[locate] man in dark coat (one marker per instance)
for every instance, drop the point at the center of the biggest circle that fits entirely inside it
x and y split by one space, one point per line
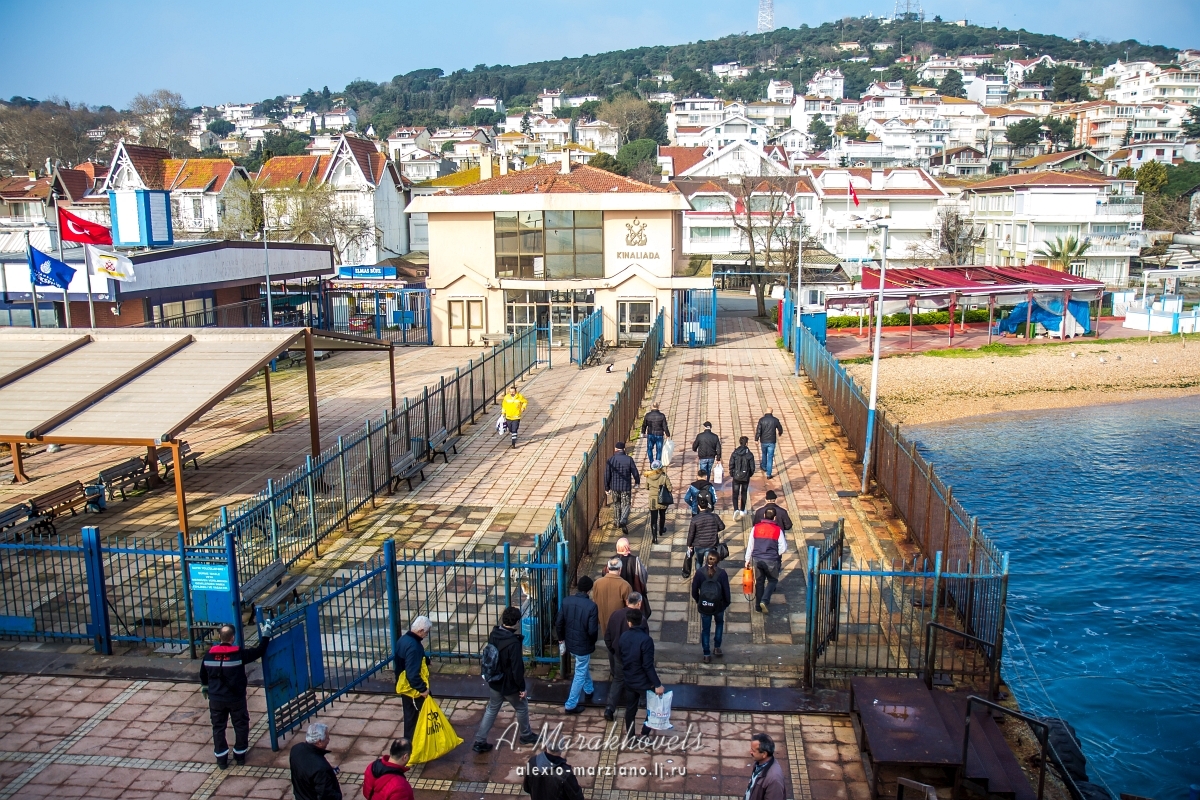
620 476
637 665
766 779
578 627
410 657
704 533
766 433
506 638
223 684
312 776
548 776
654 428
741 470
781 516
707 447
612 636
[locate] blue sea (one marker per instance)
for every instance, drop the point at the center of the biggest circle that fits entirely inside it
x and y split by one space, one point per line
1100 511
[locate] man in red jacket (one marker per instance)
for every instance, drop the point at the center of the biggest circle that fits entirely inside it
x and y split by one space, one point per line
384 778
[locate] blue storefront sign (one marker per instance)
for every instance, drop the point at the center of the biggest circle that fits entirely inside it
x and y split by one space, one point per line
367 273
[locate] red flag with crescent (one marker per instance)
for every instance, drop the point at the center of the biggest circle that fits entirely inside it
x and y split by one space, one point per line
853 194
77 229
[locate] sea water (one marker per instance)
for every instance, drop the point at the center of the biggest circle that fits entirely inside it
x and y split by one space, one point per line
1100 511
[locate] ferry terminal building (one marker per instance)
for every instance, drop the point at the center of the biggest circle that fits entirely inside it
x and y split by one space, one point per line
549 245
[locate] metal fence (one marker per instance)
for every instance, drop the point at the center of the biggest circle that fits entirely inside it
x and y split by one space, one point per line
403 316
695 317
586 336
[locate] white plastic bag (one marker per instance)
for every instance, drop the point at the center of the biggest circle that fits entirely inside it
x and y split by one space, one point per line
658 711
501 426
718 476
668 451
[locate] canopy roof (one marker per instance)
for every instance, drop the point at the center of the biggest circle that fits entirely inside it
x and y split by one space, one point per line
935 283
133 386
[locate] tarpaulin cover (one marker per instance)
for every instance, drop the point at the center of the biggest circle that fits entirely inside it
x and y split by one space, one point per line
1049 313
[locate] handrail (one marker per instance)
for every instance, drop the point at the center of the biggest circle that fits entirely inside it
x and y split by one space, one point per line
931 648
1043 735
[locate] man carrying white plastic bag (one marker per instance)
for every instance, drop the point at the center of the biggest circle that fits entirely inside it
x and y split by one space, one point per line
636 649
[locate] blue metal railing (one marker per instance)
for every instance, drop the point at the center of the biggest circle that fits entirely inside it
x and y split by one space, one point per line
585 336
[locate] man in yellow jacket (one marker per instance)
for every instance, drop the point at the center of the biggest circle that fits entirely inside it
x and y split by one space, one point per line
513 406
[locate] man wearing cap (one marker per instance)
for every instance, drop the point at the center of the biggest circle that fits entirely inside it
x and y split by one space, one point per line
781 516
620 476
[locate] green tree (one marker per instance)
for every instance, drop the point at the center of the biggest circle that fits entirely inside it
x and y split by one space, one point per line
822 136
1061 252
605 162
1068 85
1126 173
952 85
1191 125
1061 131
636 152
1025 132
1043 74
847 125
526 126
221 127
1151 178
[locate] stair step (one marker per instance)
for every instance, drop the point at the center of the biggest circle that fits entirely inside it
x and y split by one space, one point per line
1018 781
978 767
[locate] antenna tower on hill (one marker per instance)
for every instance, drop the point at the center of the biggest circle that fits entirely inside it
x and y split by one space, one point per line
909 11
766 16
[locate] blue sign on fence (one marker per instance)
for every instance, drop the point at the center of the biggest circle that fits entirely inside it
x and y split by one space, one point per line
212 592
209 577
367 273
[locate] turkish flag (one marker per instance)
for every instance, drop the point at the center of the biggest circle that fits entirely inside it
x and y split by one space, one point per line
853 195
77 229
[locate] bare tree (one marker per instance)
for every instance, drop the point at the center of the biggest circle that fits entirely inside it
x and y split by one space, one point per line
53 129
761 209
953 242
629 115
161 117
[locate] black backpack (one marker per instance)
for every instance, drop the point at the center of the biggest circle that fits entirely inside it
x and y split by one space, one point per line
489 663
711 598
741 466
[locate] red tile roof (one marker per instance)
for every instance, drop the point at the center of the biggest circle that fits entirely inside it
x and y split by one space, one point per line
148 161
548 179
93 170
930 188
363 152
283 170
22 187
1039 179
74 183
682 158
206 174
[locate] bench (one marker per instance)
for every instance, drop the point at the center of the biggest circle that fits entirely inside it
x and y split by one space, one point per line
273 573
55 503
186 454
405 468
129 473
442 444
285 591
16 521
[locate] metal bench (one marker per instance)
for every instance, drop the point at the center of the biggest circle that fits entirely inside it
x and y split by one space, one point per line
55 503
261 581
286 590
405 468
15 522
126 474
186 454
442 444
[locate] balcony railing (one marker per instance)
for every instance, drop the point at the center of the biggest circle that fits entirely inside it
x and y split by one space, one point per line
1119 206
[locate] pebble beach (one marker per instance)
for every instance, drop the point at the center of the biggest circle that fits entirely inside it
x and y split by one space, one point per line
966 383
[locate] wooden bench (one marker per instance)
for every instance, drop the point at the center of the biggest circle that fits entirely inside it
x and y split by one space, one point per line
273 573
15 521
186 454
406 468
54 504
286 590
442 444
129 473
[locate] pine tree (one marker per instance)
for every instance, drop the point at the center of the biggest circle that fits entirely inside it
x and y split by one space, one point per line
952 85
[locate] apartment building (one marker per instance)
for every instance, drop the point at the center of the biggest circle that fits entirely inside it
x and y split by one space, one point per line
1146 82
711 226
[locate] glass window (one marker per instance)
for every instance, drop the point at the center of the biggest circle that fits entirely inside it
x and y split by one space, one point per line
560 219
589 265
560 241
589 240
589 219
553 245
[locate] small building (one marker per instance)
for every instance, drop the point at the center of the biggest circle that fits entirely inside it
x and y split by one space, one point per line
1061 162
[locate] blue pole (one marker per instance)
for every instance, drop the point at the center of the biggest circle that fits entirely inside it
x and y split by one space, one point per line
93 563
188 614
507 576
562 595
393 595
377 328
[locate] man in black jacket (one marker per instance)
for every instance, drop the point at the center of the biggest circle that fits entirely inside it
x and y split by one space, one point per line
612 637
410 658
654 428
707 448
637 664
548 776
312 776
767 433
704 533
578 627
741 469
223 684
620 476
781 516
506 638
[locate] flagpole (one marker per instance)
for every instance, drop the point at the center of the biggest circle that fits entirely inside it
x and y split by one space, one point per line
62 258
87 273
37 323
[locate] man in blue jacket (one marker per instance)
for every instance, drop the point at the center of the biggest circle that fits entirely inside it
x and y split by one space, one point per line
578 627
620 476
410 657
637 666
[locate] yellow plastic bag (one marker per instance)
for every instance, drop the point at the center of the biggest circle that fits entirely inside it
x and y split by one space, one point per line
434 736
404 687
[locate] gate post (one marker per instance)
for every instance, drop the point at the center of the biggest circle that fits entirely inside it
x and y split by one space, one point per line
342 475
93 562
271 519
471 386
937 580
562 593
311 488
507 576
393 594
442 396
188 614
810 616
998 650
425 416
235 589
458 415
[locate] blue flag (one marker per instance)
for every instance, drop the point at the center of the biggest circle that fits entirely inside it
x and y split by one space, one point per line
47 271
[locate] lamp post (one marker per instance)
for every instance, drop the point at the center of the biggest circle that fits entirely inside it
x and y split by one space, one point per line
798 225
267 264
883 225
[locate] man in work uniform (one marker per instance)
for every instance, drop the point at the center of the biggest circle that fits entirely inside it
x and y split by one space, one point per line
223 684
513 406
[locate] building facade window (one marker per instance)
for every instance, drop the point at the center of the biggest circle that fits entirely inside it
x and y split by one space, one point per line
711 235
550 245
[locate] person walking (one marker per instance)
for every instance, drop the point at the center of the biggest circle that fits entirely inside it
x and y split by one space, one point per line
703 534
766 433
781 515
656 431
578 627
223 684
741 469
701 487
707 447
513 407
548 776
384 778
313 778
656 480
766 779
764 553
634 571
637 666
612 637
610 591
508 681
413 665
620 476
710 590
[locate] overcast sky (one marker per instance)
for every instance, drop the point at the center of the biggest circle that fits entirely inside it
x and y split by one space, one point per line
106 51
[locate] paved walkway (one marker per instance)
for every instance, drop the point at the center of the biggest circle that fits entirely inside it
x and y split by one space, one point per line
137 740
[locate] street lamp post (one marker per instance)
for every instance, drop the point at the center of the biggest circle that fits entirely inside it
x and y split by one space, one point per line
882 224
267 264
